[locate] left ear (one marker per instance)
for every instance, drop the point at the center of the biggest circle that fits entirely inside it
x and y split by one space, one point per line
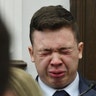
80 49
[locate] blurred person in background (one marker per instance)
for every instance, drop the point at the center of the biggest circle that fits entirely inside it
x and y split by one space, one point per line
13 81
21 83
4 56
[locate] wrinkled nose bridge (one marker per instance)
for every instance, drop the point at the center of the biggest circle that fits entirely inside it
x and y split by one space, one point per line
55 58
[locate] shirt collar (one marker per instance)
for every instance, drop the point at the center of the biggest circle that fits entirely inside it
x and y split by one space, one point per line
49 91
72 89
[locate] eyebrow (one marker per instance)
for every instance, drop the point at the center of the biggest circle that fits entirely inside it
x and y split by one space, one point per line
64 48
49 49
45 49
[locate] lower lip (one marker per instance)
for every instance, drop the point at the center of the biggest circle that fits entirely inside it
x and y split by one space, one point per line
58 75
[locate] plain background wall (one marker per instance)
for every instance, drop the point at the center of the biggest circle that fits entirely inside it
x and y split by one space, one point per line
11 11
17 15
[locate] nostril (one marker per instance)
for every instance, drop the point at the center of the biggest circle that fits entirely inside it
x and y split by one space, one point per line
56 61
54 64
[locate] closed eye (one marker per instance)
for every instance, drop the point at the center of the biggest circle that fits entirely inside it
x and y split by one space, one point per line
65 51
45 52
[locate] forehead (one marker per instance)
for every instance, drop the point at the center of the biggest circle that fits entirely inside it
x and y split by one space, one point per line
65 32
57 37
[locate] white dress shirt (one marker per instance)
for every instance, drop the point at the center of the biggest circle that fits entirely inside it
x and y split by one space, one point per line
72 89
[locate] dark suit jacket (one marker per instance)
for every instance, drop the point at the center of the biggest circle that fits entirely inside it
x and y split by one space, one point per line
83 86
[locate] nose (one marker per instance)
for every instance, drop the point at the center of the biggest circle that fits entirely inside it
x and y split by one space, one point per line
56 60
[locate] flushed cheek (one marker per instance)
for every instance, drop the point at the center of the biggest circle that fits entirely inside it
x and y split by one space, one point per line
42 63
71 62
44 60
72 67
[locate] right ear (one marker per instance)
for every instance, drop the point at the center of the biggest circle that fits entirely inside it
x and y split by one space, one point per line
30 48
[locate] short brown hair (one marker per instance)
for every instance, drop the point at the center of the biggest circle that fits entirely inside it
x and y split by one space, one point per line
53 17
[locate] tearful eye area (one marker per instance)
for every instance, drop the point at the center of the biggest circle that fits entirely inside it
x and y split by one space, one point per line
65 51
45 52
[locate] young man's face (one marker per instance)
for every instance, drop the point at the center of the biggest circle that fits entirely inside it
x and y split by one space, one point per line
56 56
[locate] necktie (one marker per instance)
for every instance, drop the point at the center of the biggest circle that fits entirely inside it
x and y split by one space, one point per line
61 93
